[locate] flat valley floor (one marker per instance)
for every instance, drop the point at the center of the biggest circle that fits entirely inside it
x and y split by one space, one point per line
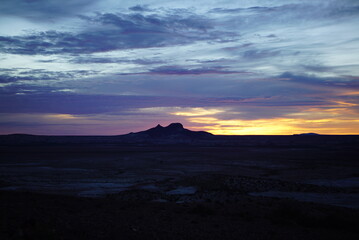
117 191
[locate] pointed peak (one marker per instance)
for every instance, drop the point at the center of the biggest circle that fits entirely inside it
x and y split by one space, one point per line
159 126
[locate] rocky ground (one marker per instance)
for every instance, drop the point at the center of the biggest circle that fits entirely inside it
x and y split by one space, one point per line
198 207
179 192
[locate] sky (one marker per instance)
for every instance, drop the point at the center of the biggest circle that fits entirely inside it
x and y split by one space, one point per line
243 67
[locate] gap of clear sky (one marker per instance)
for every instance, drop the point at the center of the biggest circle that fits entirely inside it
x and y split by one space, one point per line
105 67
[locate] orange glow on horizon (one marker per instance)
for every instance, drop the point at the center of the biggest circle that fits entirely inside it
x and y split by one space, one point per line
335 120
338 118
277 126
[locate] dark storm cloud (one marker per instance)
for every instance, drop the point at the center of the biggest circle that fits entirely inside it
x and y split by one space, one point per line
115 32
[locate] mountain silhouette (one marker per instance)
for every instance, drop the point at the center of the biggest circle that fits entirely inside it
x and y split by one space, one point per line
171 131
307 134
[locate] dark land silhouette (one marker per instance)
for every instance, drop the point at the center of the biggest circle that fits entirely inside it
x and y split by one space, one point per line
173 183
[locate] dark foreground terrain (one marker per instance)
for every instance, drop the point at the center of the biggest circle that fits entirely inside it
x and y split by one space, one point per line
250 187
38 216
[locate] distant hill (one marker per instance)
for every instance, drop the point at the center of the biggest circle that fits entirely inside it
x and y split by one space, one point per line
176 134
172 134
307 134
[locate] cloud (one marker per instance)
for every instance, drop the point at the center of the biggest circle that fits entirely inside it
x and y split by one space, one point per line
250 60
259 54
305 9
140 61
9 79
254 10
140 8
42 74
109 32
318 68
347 82
30 82
43 9
69 103
82 104
176 70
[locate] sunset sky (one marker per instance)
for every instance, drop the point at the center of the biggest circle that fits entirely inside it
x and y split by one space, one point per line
107 67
